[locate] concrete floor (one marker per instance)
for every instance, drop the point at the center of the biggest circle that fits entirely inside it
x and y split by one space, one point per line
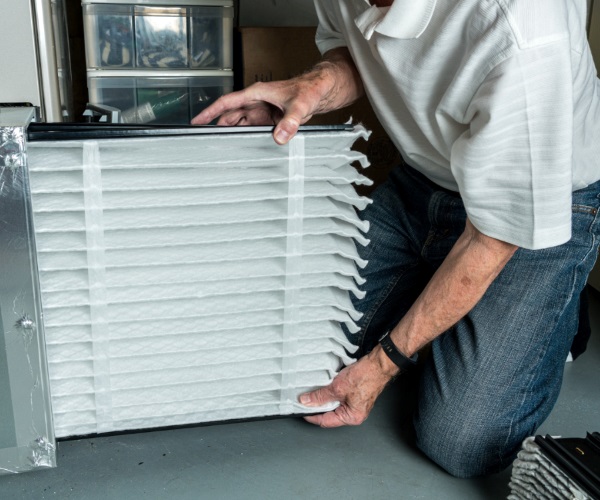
288 458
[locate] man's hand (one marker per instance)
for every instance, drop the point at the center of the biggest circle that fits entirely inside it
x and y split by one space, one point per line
456 287
356 388
331 84
286 104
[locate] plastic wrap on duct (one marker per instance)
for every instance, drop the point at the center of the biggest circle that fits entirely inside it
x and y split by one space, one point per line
26 430
195 279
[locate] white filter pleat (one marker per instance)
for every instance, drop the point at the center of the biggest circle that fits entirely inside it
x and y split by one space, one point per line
195 279
194 391
205 306
172 291
124 326
54 178
168 237
84 351
57 281
187 196
193 215
197 254
193 342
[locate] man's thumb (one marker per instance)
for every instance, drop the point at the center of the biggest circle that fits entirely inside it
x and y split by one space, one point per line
285 130
320 397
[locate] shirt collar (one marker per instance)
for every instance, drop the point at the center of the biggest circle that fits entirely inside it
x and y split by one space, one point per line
404 19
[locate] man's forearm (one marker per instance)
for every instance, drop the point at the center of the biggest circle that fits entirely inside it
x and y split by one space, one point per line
337 80
460 282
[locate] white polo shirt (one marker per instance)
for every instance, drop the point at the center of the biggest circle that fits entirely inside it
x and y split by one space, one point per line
496 99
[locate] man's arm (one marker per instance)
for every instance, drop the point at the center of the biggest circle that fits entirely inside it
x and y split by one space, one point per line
332 84
460 282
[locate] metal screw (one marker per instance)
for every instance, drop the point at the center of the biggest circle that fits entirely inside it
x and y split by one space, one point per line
26 323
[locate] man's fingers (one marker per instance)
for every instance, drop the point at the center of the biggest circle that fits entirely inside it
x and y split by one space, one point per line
231 118
259 92
260 104
222 105
328 420
209 114
341 416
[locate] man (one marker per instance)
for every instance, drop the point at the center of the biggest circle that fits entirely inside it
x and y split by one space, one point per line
482 246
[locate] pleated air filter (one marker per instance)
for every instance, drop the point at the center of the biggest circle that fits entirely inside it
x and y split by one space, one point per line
192 279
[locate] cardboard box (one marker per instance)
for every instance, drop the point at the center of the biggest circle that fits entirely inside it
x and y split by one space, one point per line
274 13
271 54
595 32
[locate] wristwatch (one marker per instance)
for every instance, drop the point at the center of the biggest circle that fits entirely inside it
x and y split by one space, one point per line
399 359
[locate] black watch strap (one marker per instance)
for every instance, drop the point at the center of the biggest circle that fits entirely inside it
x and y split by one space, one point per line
399 359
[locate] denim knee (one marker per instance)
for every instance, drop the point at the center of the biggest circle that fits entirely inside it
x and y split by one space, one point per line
469 447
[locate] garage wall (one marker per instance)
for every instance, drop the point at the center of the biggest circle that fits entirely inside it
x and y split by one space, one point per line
17 56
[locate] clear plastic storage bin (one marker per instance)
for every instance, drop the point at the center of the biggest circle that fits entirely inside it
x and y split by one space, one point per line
158 100
162 37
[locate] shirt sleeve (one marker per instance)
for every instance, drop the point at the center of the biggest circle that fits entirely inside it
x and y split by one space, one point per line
329 35
513 165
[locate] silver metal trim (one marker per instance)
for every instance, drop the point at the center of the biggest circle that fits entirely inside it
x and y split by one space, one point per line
20 306
13 122
47 63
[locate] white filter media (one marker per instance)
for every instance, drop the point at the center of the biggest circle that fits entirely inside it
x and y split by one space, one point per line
193 279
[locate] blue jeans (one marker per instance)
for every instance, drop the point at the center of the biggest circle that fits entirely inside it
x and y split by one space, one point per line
493 378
